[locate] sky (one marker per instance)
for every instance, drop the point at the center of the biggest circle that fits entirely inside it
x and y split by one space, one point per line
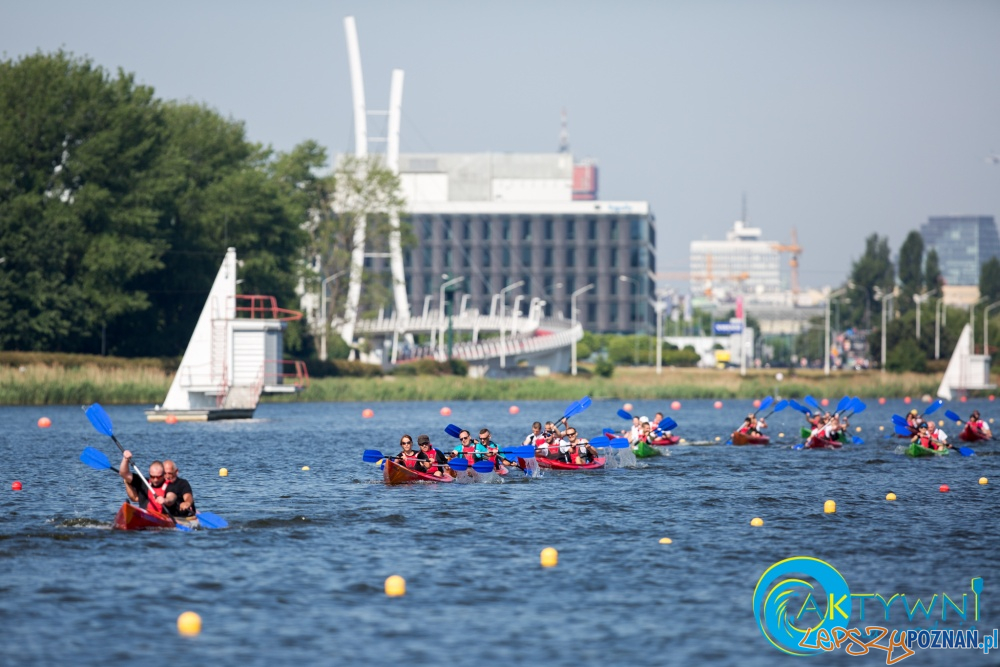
838 119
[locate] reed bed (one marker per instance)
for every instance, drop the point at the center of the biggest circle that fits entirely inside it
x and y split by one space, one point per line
39 384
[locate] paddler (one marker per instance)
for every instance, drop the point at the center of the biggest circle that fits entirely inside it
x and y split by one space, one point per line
535 435
978 425
408 456
180 490
151 497
580 450
494 456
467 447
429 459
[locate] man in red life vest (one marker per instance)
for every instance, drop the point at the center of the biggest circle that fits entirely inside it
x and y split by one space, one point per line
469 448
429 460
978 425
151 497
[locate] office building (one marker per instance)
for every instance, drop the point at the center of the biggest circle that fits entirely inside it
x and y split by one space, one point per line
963 244
742 264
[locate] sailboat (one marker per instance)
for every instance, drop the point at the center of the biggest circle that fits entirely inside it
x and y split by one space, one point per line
966 371
234 356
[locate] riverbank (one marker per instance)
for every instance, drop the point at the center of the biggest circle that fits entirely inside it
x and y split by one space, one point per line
139 383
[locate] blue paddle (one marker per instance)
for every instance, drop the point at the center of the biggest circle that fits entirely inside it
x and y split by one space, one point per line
458 463
954 417
95 458
812 403
933 407
843 404
899 421
794 405
778 407
764 404
576 408
603 441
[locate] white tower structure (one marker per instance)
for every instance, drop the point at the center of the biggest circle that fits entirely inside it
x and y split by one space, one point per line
392 163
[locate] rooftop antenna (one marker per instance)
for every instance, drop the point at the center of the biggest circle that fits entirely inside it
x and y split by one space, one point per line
563 132
744 218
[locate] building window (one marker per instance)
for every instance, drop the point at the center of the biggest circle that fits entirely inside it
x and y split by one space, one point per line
427 286
446 229
426 228
591 257
634 258
613 260
505 228
570 257
635 229
613 314
486 258
428 257
525 229
614 229
570 284
526 256
651 261
547 233
547 258
486 229
613 285
447 259
505 257
466 229
407 259
591 313
570 229
652 234
592 280
592 229
527 285
465 259
547 287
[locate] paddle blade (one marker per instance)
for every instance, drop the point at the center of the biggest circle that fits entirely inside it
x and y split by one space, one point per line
372 456
779 406
899 421
952 416
459 463
624 415
843 403
766 403
966 451
600 441
668 424
856 440
524 451
858 406
796 406
933 407
618 443
801 445
813 404
729 442
95 458
212 521
482 466
577 407
452 430
585 403
100 420
903 430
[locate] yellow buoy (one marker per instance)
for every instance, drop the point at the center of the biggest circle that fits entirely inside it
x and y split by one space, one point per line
223 472
717 438
666 540
395 586
890 496
829 507
189 624
858 429
940 422
305 467
756 521
781 435
881 428
983 481
550 557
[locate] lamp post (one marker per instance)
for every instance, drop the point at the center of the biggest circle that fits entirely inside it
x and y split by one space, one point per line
826 338
445 285
322 308
986 326
635 316
972 324
503 303
517 313
938 312
572 312
883 297
919 299
659 335
442 311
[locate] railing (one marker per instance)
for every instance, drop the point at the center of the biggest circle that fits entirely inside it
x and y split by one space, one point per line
298 372
264 307
540 341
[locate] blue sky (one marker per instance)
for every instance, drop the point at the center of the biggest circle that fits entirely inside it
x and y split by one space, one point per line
838 118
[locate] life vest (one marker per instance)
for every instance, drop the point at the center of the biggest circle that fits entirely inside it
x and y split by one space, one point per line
432 456
409 460
469 451
925 442
156 496
495 460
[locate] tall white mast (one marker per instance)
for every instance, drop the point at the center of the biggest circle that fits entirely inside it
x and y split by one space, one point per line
392 163
361 151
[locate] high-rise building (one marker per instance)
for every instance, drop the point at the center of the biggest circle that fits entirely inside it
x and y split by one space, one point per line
743 264
963 244
500 218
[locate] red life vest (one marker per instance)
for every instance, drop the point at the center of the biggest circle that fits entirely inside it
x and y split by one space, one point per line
432 456
925 442
494 459
409 460
156 496
469 451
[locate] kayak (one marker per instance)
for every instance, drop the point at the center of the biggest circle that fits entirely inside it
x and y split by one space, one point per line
970 434
841 436
745 439
916 451
393 473
664 442
133 517
644 451
822 443
557 464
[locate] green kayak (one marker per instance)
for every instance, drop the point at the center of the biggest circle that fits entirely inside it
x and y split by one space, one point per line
916 451
644 451
806 432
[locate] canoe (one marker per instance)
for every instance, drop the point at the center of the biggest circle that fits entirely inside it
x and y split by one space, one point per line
644 450
133 517
394 473
557 464
664 442
745 439
841 435
916 451
970 434
823 443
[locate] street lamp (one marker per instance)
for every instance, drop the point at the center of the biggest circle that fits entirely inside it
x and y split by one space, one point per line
517 313
322 308
445 285
572 311
635 316
972 324
826 338
919 299
939 314
986 326
883 297
659 335
503 303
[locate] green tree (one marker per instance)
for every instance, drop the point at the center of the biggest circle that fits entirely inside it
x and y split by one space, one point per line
932 273
911 276
78 194
989 280
873 269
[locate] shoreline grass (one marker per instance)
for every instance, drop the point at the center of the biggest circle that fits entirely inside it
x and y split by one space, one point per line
40 384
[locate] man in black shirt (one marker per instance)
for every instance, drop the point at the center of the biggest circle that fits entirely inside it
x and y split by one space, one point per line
179 499
137 490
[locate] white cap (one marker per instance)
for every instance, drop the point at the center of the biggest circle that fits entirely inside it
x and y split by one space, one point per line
643 420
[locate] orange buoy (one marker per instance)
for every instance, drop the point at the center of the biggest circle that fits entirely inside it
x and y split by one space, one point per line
627 407
718 405
963 399
992 397
16 486
881 400
944 488
171 419
907 400
513 409
446 411
756 403
44 422
825 402
367 413
676 405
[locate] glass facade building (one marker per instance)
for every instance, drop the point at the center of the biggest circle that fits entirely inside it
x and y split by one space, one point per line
963 244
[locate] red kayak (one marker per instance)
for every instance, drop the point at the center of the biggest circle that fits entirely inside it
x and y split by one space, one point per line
816 442
664 442
133 517
394 473
972 434
747 439
559 464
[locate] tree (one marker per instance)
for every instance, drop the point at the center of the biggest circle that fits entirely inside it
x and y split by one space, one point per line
873 269
989 280
911 277
933 280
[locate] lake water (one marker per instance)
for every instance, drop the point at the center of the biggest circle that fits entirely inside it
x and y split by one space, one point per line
298 577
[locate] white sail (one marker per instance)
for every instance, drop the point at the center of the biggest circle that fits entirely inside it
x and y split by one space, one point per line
965 370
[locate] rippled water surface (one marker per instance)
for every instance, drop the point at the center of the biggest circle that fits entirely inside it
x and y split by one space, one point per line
298 577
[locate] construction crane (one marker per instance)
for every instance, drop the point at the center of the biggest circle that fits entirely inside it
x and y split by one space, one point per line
795 249
708 277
